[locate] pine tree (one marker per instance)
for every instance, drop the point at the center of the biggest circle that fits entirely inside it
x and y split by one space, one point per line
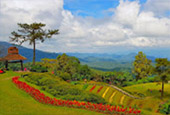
32 33
142 66
162 70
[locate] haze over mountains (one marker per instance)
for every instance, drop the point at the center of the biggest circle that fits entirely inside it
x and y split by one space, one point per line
103 61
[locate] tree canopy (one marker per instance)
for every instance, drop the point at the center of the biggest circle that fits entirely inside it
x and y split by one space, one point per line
32 33
162 70
142 66
68 68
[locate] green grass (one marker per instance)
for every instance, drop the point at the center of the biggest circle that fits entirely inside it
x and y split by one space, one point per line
149 105
108 94
102 91
152 100
14 101
95 89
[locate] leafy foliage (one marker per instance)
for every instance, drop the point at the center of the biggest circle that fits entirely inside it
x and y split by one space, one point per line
143 80
38 68
116 78
162 70
165 108
142 66
32 33
68 68
59 88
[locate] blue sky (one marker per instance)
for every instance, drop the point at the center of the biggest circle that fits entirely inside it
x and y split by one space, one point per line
93 8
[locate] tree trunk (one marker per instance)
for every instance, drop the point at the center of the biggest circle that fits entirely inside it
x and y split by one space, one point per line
162 92
22 68
34 52
6 65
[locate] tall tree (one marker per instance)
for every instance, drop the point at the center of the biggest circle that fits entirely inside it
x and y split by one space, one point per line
162 70
32 33
142 66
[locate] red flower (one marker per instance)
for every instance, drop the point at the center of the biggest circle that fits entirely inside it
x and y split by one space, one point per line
99 89
40 97
92 88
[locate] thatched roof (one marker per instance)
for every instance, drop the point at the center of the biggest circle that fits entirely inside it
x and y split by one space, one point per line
13 54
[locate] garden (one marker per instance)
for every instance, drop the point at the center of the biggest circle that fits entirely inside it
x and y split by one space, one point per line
64 82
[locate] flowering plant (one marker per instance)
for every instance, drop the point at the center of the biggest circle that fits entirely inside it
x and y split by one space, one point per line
40 97
99 89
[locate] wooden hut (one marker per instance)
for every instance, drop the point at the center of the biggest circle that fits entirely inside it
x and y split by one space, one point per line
13 57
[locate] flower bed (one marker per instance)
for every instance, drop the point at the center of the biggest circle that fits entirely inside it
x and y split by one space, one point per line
1 71
99 89
40 97
92 88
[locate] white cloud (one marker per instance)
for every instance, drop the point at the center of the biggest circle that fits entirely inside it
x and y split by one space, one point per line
142 42
159 7
127 12
128 27
148 25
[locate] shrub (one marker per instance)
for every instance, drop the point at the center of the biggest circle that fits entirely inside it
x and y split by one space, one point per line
144 80
61 89
85 86
65 76
165 108
41 79
38 68
74 82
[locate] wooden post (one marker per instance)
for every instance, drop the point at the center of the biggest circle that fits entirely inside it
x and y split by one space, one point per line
6 65
22 65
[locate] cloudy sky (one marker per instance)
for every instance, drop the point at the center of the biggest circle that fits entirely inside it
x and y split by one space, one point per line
101 26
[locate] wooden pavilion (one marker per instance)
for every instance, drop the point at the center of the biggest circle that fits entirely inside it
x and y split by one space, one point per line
13 57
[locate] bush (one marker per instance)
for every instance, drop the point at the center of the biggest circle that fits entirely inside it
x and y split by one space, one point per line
38 68
65 76
85 86
165 108
134 82
74 82
41 79
85 97
61 89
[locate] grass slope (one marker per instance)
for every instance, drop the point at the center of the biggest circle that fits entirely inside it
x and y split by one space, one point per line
152 100
14 101
149 105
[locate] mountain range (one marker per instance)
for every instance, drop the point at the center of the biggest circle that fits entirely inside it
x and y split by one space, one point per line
101 61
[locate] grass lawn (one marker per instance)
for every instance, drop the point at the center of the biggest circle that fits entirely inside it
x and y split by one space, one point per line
14 101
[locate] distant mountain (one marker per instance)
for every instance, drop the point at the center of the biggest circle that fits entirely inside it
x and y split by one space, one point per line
26 52
103 61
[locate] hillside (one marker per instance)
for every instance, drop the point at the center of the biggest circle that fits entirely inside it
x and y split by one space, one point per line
15 101
149 103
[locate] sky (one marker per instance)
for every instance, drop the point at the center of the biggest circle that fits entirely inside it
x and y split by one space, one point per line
92 26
